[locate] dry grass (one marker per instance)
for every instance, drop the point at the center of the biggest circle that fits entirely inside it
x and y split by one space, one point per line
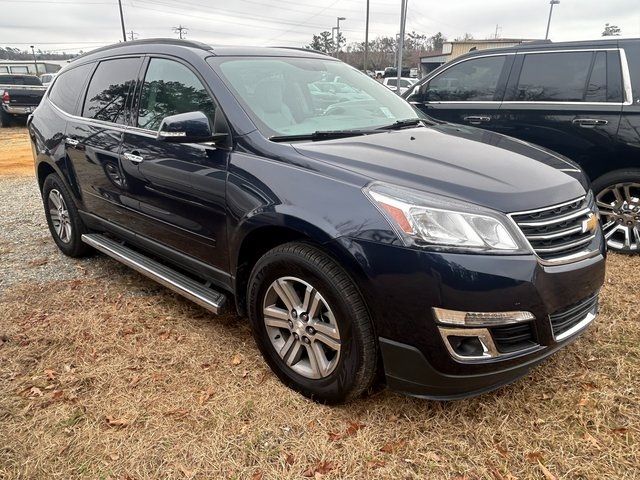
111 376
15 152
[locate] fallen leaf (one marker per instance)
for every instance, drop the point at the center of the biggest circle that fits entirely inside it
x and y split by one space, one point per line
257 475
35 392
583 401
236 360
373 464
57 394
51 374
353 428
114 456
117 422
547 474
393 446
321 468
334 437
206 395
186 472
135 381
178 412
620 430
245 374
533 457
289 459
205 366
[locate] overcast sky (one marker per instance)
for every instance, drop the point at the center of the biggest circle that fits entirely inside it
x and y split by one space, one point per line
72 25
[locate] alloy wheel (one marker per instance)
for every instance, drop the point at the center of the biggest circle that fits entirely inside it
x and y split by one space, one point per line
301 327
59 214
619 205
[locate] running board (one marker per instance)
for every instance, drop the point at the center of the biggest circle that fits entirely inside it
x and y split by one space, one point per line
176 281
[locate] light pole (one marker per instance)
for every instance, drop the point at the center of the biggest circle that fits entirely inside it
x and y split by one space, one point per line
403 21
552 3
124 34
35 60
366 40
337 42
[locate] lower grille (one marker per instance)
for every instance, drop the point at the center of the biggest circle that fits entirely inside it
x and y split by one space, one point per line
565 320
512 338
561 230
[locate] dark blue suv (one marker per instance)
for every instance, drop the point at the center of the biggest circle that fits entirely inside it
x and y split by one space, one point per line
357 235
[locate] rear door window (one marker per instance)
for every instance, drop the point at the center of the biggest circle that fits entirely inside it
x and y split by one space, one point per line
554 77
597 85
471 80
109 90
67 88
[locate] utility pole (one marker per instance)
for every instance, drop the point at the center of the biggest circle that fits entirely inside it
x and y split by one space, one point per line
552 3
132 35
366 40
403 21
181 31
35 60
337 41
124 35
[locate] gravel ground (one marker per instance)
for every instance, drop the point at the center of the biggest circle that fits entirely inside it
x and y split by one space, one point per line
27 252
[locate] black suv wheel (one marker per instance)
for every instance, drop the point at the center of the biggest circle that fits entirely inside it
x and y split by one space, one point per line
311 324
63 219
618 198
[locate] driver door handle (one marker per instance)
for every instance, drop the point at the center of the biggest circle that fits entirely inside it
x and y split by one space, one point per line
477 119
590 122
133 157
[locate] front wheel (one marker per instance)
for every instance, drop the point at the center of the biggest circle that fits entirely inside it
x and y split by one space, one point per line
311 324
618 199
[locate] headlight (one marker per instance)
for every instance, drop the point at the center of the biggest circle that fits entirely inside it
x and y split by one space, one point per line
424 219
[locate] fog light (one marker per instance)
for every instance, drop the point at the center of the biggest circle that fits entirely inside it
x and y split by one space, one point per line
469 343
480 319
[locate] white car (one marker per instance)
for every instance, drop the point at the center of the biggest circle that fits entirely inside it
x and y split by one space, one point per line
405 83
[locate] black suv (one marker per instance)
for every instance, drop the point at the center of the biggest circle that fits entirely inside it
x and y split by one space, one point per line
355 235
581 99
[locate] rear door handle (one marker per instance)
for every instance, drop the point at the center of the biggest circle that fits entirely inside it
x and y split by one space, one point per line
133 157
590 122
477 119
72 142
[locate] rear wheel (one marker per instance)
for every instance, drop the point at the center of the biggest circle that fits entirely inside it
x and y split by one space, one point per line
618 198
311 324
64 221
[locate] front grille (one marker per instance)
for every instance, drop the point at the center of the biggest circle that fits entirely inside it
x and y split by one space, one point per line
512 338
557 232
569 317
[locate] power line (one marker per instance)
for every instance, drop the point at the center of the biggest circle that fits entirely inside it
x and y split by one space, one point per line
181 31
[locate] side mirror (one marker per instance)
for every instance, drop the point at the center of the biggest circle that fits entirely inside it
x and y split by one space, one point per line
190 127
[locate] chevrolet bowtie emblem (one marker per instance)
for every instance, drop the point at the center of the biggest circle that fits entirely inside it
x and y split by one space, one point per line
590 224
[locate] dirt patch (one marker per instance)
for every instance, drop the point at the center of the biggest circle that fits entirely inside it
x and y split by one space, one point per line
15 152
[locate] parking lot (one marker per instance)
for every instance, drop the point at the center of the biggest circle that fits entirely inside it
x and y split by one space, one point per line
105 374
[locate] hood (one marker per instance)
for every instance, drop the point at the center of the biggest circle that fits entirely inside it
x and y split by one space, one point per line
466 163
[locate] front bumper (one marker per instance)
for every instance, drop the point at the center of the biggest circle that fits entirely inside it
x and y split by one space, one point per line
401 285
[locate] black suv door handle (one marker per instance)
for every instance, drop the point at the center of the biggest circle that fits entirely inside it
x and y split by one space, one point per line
477 119
590 122
133 157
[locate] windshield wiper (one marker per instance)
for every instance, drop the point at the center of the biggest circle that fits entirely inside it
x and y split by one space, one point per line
407 122
319 135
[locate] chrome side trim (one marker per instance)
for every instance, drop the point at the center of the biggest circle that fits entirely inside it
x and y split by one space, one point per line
582 324
626 78
179 283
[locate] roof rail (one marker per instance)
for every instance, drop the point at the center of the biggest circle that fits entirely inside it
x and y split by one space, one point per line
149 41
301 49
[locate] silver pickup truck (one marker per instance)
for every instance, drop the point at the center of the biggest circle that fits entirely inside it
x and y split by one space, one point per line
19 97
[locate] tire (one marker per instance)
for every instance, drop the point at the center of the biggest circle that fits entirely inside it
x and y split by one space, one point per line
64 221
617 195
338 312
5 119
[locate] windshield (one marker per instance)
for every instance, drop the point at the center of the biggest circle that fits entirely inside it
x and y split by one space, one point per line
300 96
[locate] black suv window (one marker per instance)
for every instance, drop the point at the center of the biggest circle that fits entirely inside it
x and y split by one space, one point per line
471 80
554 77
597 86
170 88
19 80
109 89
64 92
